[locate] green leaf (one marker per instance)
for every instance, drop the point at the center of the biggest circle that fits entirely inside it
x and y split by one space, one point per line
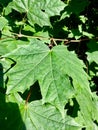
75 7
83 18
41 58
74 33
93 51
53 7
38 115
32 116
33 11
9 44
3 22
51 68
30 57
89 35
88 110
38 11
39 63
65 14
56 75
95 98
74 68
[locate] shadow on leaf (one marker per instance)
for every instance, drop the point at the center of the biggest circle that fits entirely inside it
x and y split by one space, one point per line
10 117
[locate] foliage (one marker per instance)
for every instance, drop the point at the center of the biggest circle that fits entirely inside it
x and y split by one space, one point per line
48 65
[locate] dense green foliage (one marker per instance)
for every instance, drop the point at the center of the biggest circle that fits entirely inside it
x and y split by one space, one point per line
48 64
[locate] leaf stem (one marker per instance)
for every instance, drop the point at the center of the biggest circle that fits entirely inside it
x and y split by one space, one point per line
28 97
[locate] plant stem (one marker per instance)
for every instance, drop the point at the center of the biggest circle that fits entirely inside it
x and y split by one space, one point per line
66 41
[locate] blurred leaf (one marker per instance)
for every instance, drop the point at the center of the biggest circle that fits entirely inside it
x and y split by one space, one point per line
83 18
93 51
77 6
74 33
89 35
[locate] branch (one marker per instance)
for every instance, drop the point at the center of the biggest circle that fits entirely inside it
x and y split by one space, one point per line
66 41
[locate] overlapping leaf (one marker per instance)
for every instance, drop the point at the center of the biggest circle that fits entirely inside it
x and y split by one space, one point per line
52 68
38 11
33 115
59 72
38 115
